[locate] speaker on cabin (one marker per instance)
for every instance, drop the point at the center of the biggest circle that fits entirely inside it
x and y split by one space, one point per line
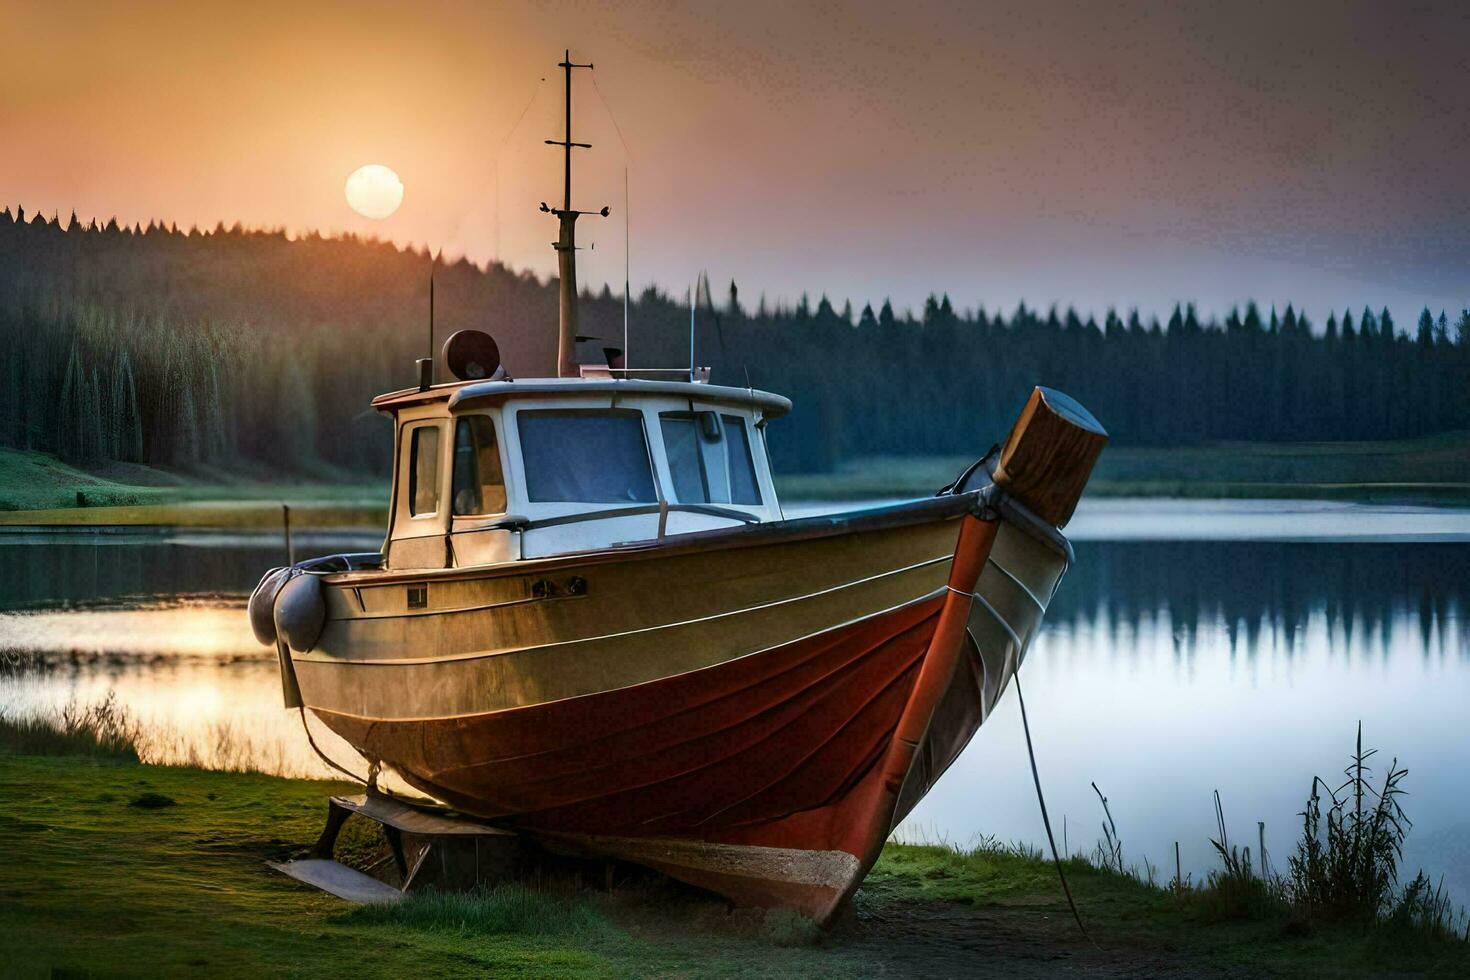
471 355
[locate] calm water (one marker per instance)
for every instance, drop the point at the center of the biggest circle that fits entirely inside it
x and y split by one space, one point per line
1194 647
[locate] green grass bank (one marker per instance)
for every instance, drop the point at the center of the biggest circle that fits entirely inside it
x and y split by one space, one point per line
39 489
119 869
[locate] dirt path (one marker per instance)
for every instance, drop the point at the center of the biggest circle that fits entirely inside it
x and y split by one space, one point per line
955 939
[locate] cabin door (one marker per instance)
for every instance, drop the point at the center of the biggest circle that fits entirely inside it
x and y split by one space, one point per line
420 537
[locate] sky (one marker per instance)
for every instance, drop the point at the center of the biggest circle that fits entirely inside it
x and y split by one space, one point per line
1090 154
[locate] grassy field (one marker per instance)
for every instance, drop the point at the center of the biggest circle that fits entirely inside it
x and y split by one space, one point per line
39 489
114 868
1431 470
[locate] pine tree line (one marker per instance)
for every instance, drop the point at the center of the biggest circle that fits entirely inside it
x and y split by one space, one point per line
245 349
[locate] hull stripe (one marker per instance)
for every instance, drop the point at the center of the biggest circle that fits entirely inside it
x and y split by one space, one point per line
480 655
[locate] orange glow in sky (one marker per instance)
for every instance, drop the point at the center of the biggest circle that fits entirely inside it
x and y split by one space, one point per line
1089 154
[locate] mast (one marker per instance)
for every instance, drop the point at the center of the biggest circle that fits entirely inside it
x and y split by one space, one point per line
566 243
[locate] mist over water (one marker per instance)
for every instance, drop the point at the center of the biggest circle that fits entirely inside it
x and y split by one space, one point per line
1167 669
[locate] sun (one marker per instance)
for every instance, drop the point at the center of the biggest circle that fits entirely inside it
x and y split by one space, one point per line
374 191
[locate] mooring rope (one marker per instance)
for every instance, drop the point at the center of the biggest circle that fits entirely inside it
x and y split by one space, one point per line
1045 819
324 757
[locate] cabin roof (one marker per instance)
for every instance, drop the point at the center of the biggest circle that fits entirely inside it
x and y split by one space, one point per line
394 400
461 394
770 404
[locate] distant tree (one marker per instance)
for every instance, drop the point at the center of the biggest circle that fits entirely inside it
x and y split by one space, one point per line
733 306
931 308
1289 324
885 315
1176 320
867 320
1252 322
1425 337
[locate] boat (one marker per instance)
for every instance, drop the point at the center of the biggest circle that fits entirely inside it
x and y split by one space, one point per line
591 622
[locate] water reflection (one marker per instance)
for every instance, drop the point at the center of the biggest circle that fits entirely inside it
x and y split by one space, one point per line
1267 593
68 566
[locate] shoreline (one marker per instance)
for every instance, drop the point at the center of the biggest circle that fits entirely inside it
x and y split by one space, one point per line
37 489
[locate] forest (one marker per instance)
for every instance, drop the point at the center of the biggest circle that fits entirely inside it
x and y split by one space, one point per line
248 350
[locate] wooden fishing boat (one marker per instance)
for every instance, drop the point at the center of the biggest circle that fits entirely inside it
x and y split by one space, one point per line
590 621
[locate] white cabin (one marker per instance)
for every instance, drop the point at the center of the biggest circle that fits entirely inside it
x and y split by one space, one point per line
488 472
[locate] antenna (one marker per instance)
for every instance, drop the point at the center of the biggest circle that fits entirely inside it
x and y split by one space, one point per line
627 265
426 364
691 334
566 243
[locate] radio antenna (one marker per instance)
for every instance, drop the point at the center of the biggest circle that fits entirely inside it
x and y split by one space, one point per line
627 266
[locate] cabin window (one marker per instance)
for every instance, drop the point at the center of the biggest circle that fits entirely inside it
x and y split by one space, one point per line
479 486
709 458
585 456
423 471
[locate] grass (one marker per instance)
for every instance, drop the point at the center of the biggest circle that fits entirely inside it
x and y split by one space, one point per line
38 489
94 884
508 909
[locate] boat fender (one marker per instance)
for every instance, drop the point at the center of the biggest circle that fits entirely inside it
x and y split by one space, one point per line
263 605
301 612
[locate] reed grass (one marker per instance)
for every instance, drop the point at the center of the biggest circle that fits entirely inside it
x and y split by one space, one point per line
102 729
1344 872
1346 866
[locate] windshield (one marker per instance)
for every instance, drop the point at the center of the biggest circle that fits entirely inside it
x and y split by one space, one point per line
709 458
585 456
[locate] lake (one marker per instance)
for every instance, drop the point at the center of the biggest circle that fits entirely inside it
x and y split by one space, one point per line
1194 647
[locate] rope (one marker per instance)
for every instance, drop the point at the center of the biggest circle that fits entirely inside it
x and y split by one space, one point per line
618 129
535 91
324 757
1046 820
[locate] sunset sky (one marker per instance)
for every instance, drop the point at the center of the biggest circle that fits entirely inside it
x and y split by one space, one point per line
1091 154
